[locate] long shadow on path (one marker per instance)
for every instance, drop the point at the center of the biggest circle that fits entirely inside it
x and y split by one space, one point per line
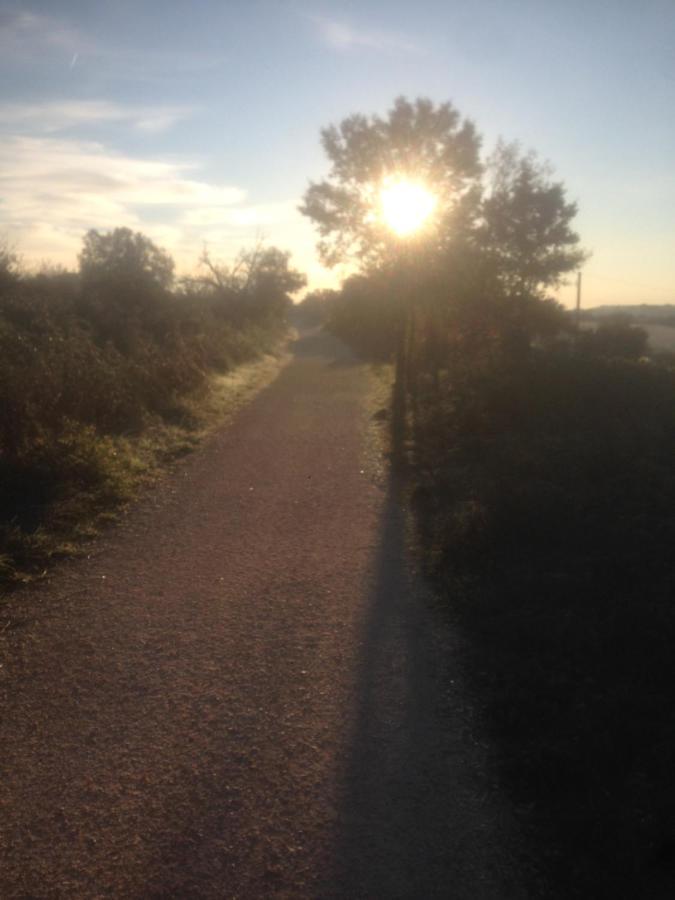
418 819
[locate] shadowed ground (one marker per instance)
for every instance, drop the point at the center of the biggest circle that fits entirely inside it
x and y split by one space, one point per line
242 692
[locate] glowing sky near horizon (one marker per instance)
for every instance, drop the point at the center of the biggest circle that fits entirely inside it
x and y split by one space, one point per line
198 122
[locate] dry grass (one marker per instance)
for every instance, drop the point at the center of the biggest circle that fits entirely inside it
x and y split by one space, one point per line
125 466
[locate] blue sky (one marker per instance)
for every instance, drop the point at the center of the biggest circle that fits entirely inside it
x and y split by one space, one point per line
198 122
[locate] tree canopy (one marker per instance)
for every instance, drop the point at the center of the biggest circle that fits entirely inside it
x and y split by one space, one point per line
509 214
478 275
123 257
416 139
258 283
526 223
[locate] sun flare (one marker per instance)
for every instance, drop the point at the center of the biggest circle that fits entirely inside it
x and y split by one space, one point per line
406 206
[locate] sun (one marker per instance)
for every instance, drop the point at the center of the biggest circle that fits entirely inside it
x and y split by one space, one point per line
405 205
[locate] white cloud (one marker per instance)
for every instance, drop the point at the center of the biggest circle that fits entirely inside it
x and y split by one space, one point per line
41 172
59 116
247 216
341 36
53 189
154 121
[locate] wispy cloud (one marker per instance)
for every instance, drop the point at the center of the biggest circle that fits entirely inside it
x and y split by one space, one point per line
53 189
343 36
25 34
80 180
60 116
28 40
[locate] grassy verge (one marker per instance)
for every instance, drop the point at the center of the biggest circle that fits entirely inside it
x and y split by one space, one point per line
74 484
544 501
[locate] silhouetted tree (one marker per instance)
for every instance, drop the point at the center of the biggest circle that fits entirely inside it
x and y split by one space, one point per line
265 268
526 223
9 265
316 307
364 316
125 281
124 258
615 336
473 285
268 281
416 140
258 284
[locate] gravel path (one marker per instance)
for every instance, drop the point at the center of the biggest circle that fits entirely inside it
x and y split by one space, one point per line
241 694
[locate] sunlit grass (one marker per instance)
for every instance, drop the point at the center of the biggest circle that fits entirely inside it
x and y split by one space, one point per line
110 471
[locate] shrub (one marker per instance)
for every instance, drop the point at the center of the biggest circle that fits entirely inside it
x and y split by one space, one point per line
545 493
88 359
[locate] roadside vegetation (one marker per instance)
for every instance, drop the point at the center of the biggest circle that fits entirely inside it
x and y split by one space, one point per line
656 322
538 459
108 372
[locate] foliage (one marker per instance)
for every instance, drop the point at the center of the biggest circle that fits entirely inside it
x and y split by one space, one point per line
316 307
526 223
477 277
125 280
92 360
615 336
417 139
363 316
540 462
9 265
258 285
124 259
544 493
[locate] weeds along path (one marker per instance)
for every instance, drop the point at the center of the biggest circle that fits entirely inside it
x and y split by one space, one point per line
239 694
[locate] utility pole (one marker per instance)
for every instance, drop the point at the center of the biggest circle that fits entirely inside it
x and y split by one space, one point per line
577 317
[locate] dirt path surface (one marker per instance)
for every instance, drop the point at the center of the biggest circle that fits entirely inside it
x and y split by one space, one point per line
240 694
